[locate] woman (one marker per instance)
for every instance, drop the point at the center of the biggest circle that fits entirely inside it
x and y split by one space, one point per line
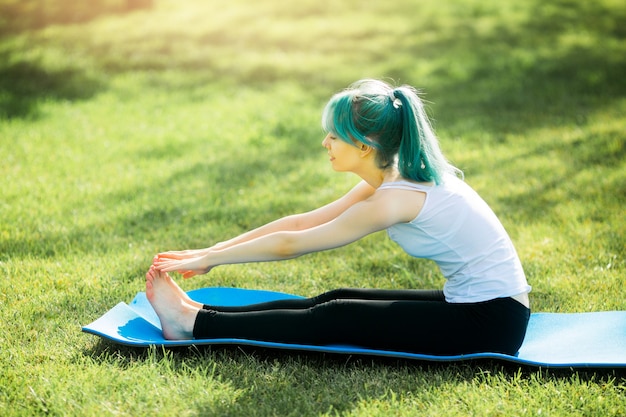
383 135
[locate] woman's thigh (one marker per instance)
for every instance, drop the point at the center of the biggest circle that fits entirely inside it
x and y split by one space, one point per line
433 327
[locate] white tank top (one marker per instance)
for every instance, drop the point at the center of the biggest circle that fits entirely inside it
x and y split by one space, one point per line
460 232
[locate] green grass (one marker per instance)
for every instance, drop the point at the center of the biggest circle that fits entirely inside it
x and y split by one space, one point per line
184 124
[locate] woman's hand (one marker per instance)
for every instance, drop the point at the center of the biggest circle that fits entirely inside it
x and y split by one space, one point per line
181 254
189 263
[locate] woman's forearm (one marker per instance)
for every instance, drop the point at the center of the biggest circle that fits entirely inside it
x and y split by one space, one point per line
288 223
270 246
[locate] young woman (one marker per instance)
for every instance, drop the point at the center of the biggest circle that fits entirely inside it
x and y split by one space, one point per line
383 135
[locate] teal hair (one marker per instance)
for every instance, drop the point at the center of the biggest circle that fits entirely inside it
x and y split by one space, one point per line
393 121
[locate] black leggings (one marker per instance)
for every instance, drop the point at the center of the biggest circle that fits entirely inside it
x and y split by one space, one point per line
418 321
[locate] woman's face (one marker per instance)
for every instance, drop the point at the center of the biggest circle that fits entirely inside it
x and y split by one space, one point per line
344 157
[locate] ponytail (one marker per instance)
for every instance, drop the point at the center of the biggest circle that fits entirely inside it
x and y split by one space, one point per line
419 156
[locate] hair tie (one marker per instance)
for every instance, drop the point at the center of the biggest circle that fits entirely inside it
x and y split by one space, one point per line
395 99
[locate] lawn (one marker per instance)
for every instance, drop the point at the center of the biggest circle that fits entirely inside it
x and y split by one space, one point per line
126 133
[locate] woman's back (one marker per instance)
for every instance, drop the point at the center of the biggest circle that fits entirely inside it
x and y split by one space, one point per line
457 229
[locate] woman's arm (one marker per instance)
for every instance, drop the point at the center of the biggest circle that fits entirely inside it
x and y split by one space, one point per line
294 222
307 220
378 212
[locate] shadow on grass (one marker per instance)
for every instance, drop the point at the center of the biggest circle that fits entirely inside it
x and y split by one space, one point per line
583 157
558 65
310 383
24 85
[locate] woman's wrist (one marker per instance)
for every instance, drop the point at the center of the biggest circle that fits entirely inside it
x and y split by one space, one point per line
208 259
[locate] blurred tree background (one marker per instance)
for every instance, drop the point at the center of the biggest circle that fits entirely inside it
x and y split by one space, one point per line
19 15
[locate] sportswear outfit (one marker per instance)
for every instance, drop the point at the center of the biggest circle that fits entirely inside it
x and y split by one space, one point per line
474 313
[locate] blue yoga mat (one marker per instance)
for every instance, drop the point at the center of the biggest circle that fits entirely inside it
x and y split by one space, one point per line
555 340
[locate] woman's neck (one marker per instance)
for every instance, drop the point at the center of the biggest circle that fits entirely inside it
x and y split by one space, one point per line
375 177
392 174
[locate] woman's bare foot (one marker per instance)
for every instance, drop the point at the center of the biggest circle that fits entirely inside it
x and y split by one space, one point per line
182 294
177 316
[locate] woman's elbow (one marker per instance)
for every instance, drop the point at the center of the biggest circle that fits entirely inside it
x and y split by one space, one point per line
286 246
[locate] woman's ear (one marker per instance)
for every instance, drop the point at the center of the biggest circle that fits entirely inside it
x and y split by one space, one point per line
366 150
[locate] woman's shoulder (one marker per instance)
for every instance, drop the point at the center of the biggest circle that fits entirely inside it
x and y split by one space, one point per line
403 199
406 184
